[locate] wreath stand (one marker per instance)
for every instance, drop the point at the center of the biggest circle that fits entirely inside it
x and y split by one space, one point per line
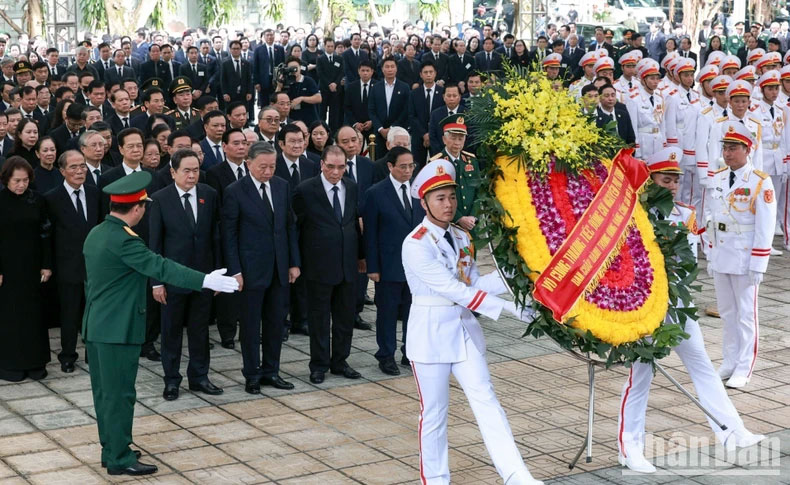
591 365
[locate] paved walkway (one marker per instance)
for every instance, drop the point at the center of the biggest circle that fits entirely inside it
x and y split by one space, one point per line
365 431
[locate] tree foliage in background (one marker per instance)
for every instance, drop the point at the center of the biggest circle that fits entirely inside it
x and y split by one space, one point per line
696 11
217 12
160 11
431 9
273 10
94 14
330 12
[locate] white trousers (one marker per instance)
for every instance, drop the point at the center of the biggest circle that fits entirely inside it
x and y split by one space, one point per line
780 190
433 386
736 297
690 190
710 391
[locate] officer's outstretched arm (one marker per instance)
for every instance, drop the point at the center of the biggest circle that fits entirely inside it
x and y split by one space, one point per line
138 257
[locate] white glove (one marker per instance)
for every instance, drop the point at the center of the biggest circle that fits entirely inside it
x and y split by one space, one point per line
756 277
526 315
709 268
215 281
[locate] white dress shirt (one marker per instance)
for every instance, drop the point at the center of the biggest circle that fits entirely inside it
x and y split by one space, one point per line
235 169
290 164
129 170
330 194
388 90
192 199
398 191
70 190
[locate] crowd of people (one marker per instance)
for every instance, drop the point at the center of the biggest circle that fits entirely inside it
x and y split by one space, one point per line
289 157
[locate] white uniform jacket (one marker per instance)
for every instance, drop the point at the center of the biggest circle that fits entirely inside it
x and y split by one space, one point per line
773 140
740 225
702 140
715 160
446 287
623 89
682 109
648 121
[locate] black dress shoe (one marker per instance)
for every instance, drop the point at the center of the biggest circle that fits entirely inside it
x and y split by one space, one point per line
369 300
405 361
210 345
361 324
229 344
67 367
170 393
389 367
136 469
300 328
285 336
317 377
37 374
276 382
152 355
348 372
137 454
205 387
252 387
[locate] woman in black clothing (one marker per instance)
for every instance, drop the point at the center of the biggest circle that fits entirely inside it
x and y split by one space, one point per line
414 40
310 56
318 137
60 113
714 44
520 54
25 141
47 175
473 46
25 263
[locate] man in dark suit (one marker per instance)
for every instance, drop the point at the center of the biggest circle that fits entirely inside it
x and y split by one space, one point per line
440 60
118 70
655 42
609 109
171 66
452 105
295 168
120 118
357 99
332 253
266 58
330 82
460 65
397 137
506 50
214 124
73 209
92 147
572 56
262 252
352 58
236 76
487 60
65 136
685 49
387 102
422 101
196 72
389 214
155 67
184 226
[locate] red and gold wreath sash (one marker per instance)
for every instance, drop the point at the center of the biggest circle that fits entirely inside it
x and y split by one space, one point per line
594 239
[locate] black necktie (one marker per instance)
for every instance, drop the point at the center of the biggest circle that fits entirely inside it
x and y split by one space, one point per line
449 239
732 178
194 69
365 94
46 112
97 173
336 205
190 213
295 178
330 58
428 101
351 170
125 122
688 96
271 60
120 73
266 201
80 209
771 109
629 85
406 202
724 112
239 173
652 103
238 69
218 153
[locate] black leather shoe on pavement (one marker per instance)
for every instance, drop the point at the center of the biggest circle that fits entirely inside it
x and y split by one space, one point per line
389 367
252 387
317 377
300 328
137 454
229 344
369 300
348 372
170 393
405 361
276 382
205 387
67 367
152 355
285 336
360 324
136 469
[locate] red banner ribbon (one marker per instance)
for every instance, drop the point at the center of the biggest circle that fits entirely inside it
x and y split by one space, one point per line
594 238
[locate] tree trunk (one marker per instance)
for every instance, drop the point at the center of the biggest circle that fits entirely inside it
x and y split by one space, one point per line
33 19
762 11
694 12
375 14
11 22
119 19
672 11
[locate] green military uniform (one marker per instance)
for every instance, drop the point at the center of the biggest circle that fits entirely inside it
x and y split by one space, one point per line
118 265
182 120
137 110
734 42
467 170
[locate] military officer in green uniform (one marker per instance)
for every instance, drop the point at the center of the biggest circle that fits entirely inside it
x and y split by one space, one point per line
181 93
735 40
466 167
154 82
118 265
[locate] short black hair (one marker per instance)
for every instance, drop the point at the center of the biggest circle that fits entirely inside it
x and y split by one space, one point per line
226 135
213 114
175 160
96 83
127 132
366 63
590 87
150 92
394 153
289 128
233 105
603 88
177 134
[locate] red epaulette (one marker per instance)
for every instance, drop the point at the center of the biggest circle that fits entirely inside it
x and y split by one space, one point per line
420 233
634 95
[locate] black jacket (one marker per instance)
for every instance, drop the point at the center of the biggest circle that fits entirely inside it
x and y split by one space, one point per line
69 231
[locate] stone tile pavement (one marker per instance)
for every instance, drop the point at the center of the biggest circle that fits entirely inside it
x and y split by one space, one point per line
365 431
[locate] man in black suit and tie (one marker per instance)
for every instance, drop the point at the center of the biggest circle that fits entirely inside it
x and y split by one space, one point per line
262 252
488 60
357 100
685 48
73 209
118 70
387 102
389 214
452 105
352 58
266 58
184 226
609 109
92 145
214 124
268 125
422 101
6 141
236 76
440 60
155 67
295 168
65 136
196 72
332 253
120 118
572 56
330 81
506 49
460 65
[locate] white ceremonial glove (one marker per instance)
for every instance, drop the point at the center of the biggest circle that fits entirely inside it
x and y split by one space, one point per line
224 284
756 277
526 315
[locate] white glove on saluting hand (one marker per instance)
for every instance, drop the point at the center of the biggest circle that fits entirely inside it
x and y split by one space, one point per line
526 315
215 281
756 277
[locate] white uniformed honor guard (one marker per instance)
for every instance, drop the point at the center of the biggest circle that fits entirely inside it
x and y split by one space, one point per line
665 171
740 230
444 336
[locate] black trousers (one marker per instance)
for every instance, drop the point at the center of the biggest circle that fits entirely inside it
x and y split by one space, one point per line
261 329
72 306
298 303
153 321
393 301
228 310
190 309
360 292
332 104
336 301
